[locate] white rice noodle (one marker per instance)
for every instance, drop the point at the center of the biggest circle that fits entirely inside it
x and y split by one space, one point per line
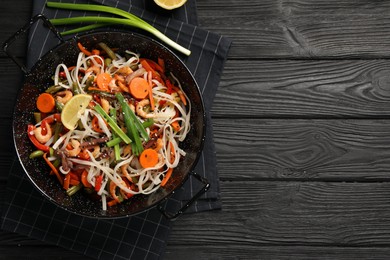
67 74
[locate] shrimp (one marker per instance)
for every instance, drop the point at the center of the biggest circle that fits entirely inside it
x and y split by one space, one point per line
125 70
75 148
64 96
38 132
140 109
124 171
159 144
96 151
105 105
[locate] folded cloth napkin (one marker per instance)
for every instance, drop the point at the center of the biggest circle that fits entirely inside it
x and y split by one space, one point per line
142 236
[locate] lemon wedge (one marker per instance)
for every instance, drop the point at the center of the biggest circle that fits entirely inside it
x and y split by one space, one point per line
73 109
170 4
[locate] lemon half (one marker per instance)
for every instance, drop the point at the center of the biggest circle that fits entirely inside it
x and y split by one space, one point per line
73 109
170 4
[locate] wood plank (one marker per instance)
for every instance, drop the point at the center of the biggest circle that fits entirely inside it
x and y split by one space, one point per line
287 29
291 213
175 252
304 88
232 251
302 149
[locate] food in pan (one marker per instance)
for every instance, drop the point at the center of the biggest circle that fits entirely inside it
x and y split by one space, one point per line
111 124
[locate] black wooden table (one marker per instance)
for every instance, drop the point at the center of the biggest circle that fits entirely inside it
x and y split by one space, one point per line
302 132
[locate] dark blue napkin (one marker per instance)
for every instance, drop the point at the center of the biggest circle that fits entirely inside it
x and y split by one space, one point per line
142 236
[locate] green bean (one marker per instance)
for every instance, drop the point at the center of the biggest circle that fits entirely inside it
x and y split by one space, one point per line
59 106
72 190
36 154
37 117
54 89
108 50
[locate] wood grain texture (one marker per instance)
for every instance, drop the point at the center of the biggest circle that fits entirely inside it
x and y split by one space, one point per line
302 149
292 213
304 88
300 29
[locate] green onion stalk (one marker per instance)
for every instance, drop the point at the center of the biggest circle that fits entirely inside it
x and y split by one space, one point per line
129 20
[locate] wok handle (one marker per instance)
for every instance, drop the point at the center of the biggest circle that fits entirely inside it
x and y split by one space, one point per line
205 187
24 30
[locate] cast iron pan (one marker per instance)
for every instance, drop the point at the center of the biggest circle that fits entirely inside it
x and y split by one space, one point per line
39 78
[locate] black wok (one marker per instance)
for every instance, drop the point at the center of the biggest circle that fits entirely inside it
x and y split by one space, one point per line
39 78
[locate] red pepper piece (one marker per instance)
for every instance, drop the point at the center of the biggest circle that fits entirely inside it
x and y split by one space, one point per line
98 182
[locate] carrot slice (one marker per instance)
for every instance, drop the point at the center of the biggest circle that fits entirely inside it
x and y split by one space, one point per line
166 177
45 102
148 158
139 88
102 81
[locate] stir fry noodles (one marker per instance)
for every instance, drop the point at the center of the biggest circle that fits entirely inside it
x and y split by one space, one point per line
111 124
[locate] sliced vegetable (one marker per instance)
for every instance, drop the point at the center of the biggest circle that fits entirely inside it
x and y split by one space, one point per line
83 49
53 169
139 88
102 81
36 154
117 152
74 189
148 158
166 177
138 123
112 124
45 102
98 182
108 50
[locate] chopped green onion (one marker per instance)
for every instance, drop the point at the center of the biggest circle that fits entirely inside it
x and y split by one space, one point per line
72 190
147 123
131 124
114 141
130 20
138 123
112 124
117 151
